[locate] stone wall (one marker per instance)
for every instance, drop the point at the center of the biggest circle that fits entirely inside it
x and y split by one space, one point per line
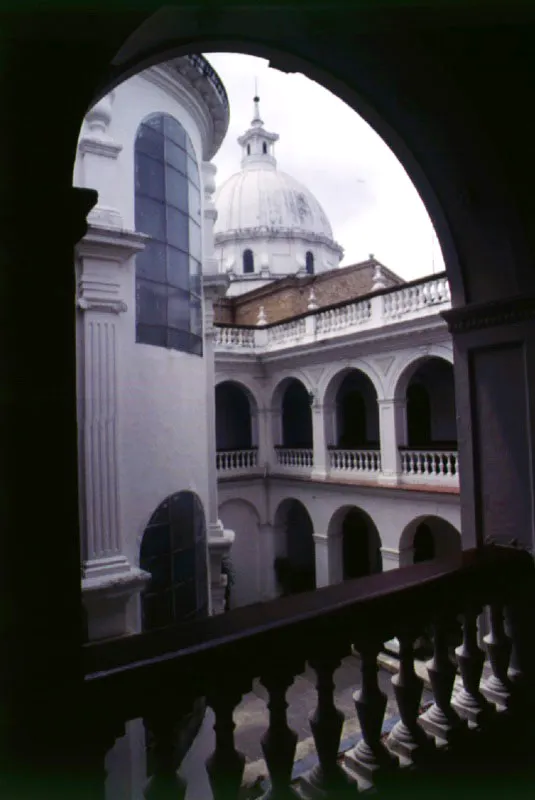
289 297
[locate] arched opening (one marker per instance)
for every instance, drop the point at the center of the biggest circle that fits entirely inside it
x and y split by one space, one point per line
428 538
234 417
431 414
296 416
173 551
361 543
246 573
295 566
356 413
309 262
248 261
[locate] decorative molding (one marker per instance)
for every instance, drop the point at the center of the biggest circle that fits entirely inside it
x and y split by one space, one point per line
263 232
105 217
99 147
490 315
109 243
106 305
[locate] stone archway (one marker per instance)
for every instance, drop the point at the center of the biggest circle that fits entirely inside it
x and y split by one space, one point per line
296 568
427 538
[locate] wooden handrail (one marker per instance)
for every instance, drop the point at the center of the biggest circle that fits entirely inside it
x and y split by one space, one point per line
132 672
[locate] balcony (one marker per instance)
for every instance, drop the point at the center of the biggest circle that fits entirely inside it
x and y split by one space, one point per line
474 726
385 308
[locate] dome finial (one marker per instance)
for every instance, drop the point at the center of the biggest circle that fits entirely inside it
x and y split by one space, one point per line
257 120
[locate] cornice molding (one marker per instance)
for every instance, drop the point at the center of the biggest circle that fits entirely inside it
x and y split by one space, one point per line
106 305
99 147
490 315
264 232
110 243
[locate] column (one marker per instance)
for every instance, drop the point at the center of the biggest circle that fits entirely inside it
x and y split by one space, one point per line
266 450
321 465
494 367
110 583
329 559
215 285
393 432
390 557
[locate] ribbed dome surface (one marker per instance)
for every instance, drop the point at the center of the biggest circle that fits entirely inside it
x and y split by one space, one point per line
265 197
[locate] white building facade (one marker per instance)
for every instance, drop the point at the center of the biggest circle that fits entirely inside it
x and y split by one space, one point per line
144 323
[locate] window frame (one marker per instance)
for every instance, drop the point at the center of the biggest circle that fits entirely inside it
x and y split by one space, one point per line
176 236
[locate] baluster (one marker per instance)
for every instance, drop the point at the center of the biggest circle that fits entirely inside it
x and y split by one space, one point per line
98 738
497 687
279 741
326 724
370 757
225 765
407 739
441 720
468 701
165 753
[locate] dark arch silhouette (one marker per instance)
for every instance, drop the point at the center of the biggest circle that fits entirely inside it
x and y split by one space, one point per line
361 545
296 416
309 262
233 417
173 551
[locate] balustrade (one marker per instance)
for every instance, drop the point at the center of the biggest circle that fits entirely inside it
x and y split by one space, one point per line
432 464
413 299
342 317
375 310
236 460
234 338
356 460
295 457
286 332
220 656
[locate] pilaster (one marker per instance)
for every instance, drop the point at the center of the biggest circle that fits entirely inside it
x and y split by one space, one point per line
329 559
494 366
109 581
321 464
393 432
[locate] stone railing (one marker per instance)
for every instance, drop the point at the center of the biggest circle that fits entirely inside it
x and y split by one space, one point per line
234 338
231 461
355 460
455 738
430 464
286 332
413 299
342 317
409 302
295 457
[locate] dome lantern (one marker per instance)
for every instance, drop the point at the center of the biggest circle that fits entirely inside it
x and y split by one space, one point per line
257 143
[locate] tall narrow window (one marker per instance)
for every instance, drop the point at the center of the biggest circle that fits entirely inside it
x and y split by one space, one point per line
309 262
248 261
264 147
248 149
168 209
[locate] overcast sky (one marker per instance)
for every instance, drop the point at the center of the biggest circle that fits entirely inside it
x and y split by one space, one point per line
365 192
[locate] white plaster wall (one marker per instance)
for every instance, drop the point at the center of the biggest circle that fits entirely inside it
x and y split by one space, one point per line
242 518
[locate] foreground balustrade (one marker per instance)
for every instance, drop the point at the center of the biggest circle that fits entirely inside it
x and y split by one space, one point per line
218 658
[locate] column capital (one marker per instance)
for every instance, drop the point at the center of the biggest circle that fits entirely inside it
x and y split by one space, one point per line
392 401
493 314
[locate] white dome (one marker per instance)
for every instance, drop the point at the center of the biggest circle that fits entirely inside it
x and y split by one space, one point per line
263 197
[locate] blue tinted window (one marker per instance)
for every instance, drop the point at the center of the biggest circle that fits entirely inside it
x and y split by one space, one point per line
168 209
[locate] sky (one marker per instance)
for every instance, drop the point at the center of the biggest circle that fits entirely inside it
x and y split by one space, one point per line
368 197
